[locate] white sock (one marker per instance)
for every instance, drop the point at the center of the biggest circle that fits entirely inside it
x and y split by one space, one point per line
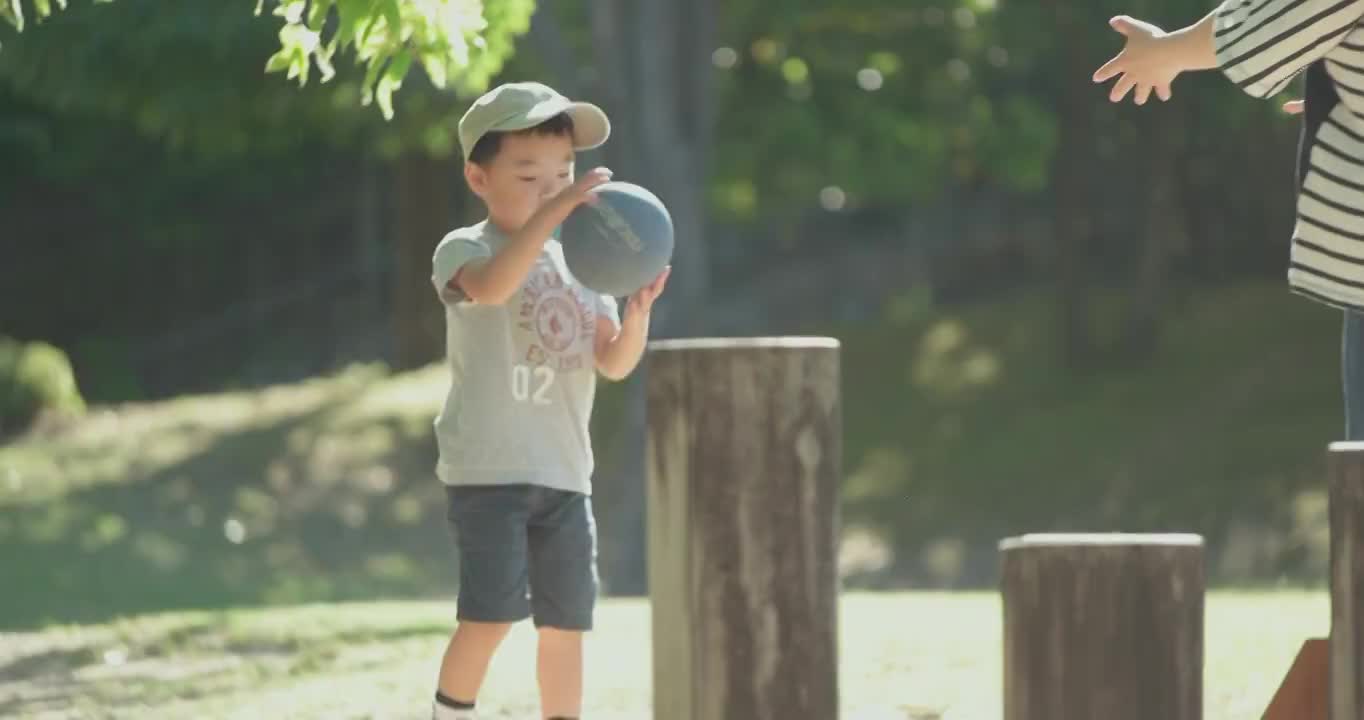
441 712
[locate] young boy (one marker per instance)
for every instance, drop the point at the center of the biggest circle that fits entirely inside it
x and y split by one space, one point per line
524 342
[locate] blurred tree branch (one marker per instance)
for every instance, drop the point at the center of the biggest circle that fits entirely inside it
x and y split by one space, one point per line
458 43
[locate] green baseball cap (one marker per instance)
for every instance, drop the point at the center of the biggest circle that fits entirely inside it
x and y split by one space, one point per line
517 106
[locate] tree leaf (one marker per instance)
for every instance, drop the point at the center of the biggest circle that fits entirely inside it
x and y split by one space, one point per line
369 19
298 66
376 65
292 10
435 68
16 14
323 55
349 14
317 14
279 61
391 81
393 16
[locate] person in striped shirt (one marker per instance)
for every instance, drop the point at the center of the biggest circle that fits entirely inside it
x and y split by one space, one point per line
1262 45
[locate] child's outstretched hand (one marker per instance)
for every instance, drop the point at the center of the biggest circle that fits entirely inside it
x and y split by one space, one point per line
1149 61
643 299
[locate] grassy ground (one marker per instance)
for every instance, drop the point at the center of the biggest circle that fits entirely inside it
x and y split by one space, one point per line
903 656
322 490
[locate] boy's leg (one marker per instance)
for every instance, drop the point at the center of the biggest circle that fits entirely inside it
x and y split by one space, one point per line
465 663
559 669
563 581
489 527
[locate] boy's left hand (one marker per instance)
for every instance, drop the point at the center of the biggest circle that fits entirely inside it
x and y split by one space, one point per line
1150 61
643 299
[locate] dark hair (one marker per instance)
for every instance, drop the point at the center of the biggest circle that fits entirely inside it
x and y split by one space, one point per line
487 146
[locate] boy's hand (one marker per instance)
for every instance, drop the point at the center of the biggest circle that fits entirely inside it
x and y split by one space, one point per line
581 189
1149 61
619 353
643 299
1295 107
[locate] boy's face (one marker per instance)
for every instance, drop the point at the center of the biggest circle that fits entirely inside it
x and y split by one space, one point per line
527 170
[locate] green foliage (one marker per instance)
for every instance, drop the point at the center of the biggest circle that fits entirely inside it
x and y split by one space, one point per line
894 102
34 377
887 101
13 13
965 429
453 41
108 375
189 72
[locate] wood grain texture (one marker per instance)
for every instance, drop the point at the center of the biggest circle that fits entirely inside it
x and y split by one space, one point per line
1103 626
744 460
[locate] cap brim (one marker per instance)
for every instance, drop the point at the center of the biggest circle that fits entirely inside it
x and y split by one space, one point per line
591 127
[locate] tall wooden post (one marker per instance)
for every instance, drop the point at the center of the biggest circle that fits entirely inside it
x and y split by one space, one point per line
1345 467
744 459
1103 626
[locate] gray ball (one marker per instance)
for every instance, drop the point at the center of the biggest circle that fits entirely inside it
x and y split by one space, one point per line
620 243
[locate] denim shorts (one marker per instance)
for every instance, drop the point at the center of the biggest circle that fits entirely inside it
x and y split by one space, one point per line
525 551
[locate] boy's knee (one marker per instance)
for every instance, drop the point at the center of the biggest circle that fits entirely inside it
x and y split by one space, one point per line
489 630
560 636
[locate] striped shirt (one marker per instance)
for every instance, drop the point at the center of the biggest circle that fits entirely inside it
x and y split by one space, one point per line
1261 46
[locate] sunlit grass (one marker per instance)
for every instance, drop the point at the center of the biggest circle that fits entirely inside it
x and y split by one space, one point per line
317 490
901 656
127 443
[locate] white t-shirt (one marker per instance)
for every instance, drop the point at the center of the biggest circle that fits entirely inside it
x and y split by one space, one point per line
523 374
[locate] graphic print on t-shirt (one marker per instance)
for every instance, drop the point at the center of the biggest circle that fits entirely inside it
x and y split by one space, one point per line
555 330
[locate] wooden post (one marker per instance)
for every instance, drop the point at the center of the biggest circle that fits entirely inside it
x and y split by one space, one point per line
1304 692
1345 469
1103 626
744 458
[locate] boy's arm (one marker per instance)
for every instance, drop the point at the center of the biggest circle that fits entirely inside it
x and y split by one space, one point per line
492 280
619 350
1260 44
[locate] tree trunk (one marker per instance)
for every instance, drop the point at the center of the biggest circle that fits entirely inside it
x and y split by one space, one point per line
1165 234
423 195
1103 626
744 458
660 139
1345 462
621 522
1072 192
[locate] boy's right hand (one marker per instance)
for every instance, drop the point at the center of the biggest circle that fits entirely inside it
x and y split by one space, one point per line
1295 107
581 189
495 280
